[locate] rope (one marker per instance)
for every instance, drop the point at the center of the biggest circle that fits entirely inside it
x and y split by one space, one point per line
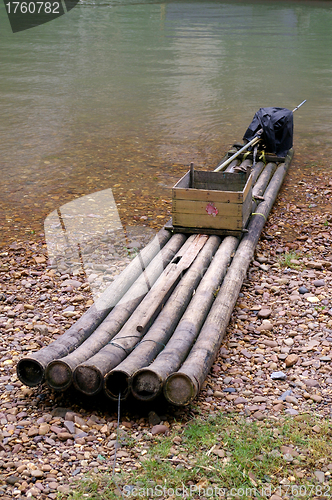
152 340
132 348
262 157
116 447
121 346
258 213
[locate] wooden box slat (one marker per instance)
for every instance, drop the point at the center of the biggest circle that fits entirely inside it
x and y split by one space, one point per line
199 206
199 220
220 181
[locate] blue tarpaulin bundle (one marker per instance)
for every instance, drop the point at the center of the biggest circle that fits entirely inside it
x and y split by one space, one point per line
277 126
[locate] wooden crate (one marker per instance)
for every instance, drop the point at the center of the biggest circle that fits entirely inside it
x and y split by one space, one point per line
217 201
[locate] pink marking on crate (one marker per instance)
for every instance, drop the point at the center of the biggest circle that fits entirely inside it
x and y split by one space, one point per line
211 209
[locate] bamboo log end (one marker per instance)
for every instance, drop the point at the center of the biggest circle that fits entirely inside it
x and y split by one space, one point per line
58 375
180 389
116 382
88 379
30 372
146 384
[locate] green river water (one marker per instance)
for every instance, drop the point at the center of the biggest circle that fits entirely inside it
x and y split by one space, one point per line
123 95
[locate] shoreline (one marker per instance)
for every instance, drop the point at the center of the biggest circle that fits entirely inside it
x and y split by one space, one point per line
283 317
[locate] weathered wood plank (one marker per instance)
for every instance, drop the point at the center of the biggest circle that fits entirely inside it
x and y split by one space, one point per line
205 195
199 207
198 230
207 221
246 211
219 181
226 178
247 190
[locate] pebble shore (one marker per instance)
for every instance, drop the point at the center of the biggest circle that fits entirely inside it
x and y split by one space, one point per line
275 359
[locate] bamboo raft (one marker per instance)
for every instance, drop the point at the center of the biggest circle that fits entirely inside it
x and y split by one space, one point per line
158 327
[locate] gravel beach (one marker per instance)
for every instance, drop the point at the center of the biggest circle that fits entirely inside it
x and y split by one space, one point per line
275 359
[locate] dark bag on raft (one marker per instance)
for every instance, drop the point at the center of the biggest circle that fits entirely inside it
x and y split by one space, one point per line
277 125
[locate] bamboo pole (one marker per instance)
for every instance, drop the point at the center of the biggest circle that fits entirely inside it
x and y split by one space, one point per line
30 370
263 180
256 171
251 143
88 377
243 167
58 373
147 383
117 380
182 387
232 165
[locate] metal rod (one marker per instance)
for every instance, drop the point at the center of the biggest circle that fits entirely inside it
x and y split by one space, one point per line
253 141
297 107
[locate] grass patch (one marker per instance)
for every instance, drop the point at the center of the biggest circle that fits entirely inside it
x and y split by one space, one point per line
224 457
287 260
